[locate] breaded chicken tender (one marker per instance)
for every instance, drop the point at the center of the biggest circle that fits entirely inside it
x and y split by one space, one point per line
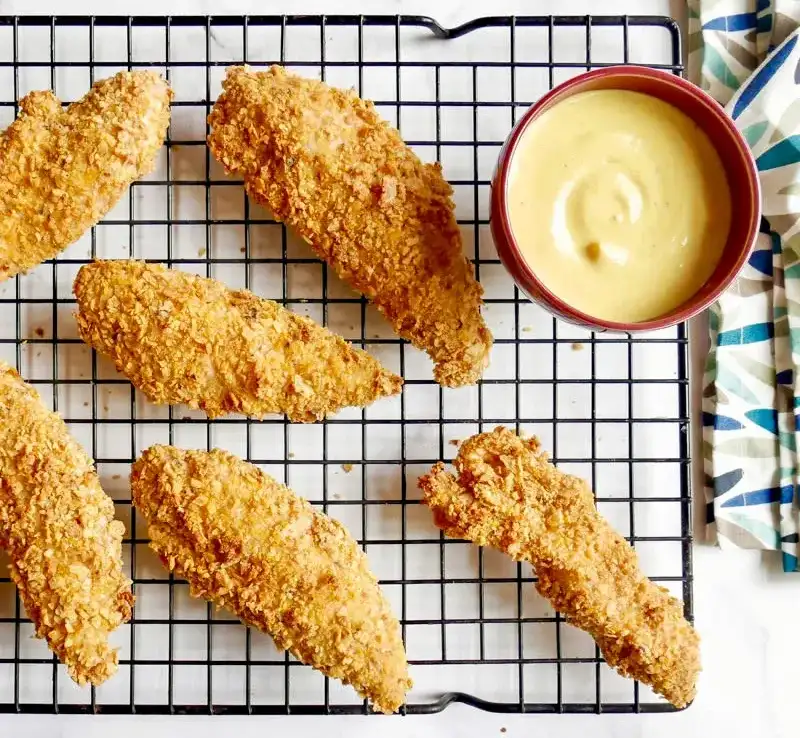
181 338
58 527
326 164
507 495
62 170
249 544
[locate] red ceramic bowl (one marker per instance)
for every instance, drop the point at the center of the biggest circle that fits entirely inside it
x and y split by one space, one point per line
736 158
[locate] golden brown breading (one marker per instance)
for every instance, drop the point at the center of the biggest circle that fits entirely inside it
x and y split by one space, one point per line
59 529
62 170
509 496
181 338
251 545
324 162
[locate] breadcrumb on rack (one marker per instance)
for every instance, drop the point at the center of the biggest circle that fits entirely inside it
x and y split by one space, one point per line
63 169
509 496
325 163
181 338
249 544
58 527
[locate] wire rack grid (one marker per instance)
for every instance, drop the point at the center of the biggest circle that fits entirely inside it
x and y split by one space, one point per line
612 408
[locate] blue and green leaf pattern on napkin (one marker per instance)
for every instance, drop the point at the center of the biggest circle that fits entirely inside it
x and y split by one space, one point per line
747 55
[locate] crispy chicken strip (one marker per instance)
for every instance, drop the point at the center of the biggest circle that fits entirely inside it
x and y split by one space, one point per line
62 170
326 164
181 338
507 495
58 527
249 544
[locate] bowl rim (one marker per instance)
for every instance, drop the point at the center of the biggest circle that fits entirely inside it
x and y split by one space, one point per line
511 255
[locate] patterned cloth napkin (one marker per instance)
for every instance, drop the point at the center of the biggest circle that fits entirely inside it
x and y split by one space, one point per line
746 53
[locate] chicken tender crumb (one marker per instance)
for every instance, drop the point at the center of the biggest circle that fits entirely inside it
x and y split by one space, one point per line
325 163
62 170
251 545
181 338
58 527
508 495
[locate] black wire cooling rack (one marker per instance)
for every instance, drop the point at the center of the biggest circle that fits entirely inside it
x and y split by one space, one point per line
612 408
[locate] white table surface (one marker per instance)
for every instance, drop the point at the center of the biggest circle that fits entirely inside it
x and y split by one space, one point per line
745 607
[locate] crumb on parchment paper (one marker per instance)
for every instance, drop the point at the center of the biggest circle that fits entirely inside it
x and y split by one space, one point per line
347 468
577 346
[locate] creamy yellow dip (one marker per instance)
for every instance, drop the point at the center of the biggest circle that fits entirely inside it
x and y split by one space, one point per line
619 203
